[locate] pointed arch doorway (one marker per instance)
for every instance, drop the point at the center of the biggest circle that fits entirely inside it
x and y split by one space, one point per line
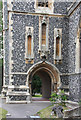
49 75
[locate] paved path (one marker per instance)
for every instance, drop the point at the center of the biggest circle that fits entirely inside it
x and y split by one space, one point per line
40 99
23 110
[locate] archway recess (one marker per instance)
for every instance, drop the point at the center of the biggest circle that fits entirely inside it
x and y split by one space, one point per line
49 75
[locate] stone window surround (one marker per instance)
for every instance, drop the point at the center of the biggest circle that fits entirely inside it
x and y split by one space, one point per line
46 21
29 31
44 34
56 34
48 9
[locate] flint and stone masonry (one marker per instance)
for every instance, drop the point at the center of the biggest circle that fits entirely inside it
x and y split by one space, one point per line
41 38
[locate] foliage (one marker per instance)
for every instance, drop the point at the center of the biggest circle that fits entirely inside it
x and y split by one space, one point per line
58 98
62 97
36 85
1 4
46 112
0 79
54 97
80 102
3 113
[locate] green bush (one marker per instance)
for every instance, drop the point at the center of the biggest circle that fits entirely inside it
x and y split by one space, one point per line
54 98
58 98
62 97
0 78
36 85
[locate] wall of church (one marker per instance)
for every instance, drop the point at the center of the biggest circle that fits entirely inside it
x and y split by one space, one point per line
74 80
73 28
25 6
61 7
6 44
29 6
74 87
80 86
19 66
20 21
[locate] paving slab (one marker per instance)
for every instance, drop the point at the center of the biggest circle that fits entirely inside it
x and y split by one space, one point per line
23 110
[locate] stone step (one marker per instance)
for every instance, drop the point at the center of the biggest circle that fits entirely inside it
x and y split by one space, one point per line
17 93
72 104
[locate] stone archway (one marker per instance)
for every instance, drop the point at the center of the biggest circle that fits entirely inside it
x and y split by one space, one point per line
50 77
46 82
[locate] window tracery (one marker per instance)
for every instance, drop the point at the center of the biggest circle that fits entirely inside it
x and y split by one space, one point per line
42 3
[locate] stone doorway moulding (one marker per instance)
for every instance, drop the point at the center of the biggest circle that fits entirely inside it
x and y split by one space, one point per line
50 69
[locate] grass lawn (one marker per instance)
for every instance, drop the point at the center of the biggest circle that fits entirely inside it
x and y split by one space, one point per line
46 112
37 96
3 113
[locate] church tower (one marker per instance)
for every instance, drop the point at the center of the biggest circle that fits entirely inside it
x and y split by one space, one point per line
41 37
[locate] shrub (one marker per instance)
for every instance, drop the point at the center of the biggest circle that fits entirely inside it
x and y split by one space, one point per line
62 97
58 98
54 98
